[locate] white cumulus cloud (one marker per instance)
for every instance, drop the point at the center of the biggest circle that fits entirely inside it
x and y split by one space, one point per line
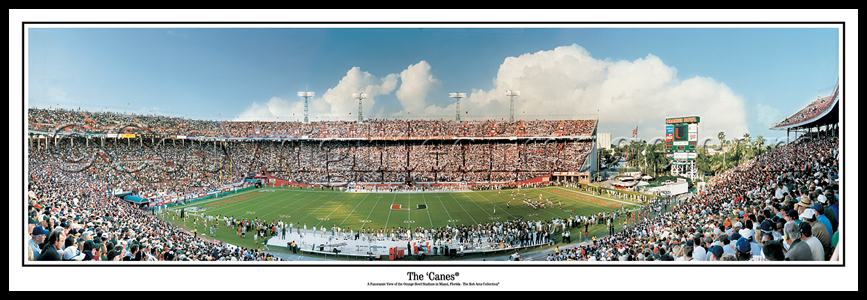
416 84
767 115
561 83
340 101
335 103
276 109
567 81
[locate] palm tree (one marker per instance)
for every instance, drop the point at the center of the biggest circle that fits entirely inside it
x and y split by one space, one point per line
759 144
704 162
722 142
746 142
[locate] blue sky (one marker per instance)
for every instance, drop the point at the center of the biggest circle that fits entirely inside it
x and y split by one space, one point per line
737 79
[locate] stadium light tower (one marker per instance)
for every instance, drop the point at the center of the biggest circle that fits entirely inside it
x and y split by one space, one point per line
458 96
305 95
511 94
359 96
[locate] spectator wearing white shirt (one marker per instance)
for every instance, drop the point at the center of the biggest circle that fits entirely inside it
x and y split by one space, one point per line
807 236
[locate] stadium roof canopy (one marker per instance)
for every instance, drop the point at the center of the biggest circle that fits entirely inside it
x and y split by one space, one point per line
823 111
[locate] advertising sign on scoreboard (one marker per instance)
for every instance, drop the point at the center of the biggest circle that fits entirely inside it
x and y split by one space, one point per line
682 120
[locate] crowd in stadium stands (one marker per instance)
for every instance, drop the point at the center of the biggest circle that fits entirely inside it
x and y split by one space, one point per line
429 162
782 205
72 216
72 179
49 120
409 129
171 167
180 126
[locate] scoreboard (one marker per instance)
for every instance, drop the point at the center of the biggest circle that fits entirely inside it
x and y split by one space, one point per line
681 139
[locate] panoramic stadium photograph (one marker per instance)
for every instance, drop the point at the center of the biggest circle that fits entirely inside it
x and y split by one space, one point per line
431 145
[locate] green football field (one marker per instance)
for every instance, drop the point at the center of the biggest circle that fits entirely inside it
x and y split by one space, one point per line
386 210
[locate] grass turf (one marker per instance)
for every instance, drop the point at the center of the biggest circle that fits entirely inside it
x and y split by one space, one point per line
386 210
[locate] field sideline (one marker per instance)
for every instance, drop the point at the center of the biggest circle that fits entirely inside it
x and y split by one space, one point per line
389 210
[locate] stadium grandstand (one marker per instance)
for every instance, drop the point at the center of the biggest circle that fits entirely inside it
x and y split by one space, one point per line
141 161
783 205
338 153
821 113
93 175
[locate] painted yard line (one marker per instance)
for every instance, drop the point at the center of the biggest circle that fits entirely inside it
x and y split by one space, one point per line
210 201
338 207
293 202
464 209
544 209
372 209
245 207
581 201
353 209
578 203
523 207
445 209
495 205
275 202
602 198
428 210
237 204
482 209
389 211
317 209
408 209
308 203
176 208
226 211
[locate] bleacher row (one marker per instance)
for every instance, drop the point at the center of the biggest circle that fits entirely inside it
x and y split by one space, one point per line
48 120
169 166
812 110
411 129
182 166
169 170
428 162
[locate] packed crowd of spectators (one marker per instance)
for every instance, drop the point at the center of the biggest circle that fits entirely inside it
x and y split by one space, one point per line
165 167
418 129
74 216
327 161
49 120
335 161
170 168
781 205
812 110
